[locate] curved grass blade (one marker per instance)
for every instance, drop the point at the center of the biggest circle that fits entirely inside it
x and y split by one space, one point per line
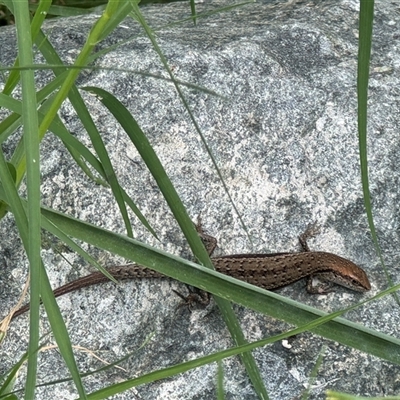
270 303
364 56
186 366
31 223
136 14
153 163
76 148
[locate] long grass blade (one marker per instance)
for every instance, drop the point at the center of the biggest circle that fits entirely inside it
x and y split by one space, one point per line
364 56
30 126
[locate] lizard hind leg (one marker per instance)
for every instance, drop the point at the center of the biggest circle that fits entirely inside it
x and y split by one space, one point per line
311 231
210 243
195 297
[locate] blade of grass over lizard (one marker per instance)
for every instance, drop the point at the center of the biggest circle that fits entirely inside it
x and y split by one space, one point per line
154 165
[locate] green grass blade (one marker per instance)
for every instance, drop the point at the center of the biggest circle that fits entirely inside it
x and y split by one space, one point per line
9 125
107 168
137 15
57 323
333 395
11 197
115 19
266 302
314 372
8 381
108 366
220 381
72 144
59 330
39 284
91 42
153 163
53 229
186 366
98 144
193 11
63 11
364 56
68 85
270 303
30 126
52 56
37 21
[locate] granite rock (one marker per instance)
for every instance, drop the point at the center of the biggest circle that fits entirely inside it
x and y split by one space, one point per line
283 132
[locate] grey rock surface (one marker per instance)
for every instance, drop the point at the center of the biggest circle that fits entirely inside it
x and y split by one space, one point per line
284 136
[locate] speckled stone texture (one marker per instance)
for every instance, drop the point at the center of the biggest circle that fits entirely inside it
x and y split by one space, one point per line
283 132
